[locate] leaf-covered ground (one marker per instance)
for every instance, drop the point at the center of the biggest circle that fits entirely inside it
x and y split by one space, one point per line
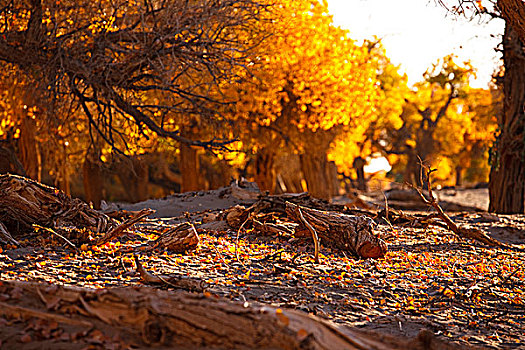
462 291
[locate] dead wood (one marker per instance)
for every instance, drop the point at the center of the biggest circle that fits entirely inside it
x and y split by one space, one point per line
5 236
173 280
120 214
244 190
147 317
463 232
24 202
277 203
47 229
268 228
179 239
236 216
342 231
121 229
315 236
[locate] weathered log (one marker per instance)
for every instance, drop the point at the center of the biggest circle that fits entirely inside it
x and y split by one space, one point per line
147 317
24 202
178 239
341 231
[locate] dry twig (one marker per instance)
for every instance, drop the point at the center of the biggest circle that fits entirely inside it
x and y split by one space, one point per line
464 232
56 234
119 230
314 234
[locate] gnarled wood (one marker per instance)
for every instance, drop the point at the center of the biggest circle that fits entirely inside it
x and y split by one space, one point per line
506 185
346 232
24 202
120 229
179 239
147 317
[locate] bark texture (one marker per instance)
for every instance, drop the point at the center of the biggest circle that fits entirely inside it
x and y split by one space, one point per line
189 168
513 11
265 169
147 318
507 185
342 231
24 202
318 174
179 239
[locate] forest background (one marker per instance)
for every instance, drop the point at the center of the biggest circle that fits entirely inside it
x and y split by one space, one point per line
122 100
118 101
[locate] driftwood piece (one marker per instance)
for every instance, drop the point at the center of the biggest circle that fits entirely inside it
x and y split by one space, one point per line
24 202
178 239
53 232
173 280
342 231
121 229
147 317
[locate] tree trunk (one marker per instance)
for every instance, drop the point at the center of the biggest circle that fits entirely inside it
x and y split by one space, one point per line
265 169
315 168
29 153
189 168
513 11
411 168
288 166
93 181
62 176
506 184
459 177
9 162
134 175
334 182
359 166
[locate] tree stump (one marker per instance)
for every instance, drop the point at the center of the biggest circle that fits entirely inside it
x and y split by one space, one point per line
341 231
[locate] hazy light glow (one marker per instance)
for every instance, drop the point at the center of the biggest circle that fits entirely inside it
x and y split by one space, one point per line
416 33
377 164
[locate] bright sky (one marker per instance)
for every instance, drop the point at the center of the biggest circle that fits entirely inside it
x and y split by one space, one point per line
416 33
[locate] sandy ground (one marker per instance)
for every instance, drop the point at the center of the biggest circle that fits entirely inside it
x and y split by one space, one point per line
475 197
191 202
278 270
178 205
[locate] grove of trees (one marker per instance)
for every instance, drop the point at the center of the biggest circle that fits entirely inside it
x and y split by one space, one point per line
186 94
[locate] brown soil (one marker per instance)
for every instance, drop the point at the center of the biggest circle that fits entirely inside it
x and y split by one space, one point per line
461 291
